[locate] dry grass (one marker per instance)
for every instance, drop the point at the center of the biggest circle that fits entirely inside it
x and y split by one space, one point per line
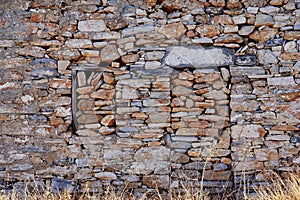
276 189
38 194
280 189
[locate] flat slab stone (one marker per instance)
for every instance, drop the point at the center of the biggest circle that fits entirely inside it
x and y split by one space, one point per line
198 57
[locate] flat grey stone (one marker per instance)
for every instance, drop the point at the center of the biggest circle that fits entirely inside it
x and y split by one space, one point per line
198 57
137 29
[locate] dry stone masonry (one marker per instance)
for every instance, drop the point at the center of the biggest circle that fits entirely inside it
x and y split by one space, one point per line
148 94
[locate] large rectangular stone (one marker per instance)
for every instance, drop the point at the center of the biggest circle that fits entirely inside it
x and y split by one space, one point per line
198 57
283 81
137 29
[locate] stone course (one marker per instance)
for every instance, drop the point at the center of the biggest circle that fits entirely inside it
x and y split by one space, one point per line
146 94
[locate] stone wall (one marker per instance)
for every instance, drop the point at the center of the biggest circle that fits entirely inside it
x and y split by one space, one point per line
146 94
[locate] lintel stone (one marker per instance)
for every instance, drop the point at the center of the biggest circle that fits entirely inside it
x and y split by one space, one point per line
198 57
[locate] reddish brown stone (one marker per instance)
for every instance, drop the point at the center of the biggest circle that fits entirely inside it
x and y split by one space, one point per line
292 35
104 94
231 4
207 30
217 175
223 19
108 120
290 56
289 96
263 35
109 78
116 23
217 3
174 30
37 17
61 83
154 181
131 58
172 5
191 34
54 121
285 128
199 124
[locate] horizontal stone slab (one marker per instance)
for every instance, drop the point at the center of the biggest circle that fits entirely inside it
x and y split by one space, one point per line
198 57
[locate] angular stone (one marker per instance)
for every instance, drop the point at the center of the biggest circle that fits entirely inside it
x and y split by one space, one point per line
156 102
269 9
108 120
159 117
181 145
109 53
106 36
240 19
154 55
85 90
242 105
187 131
276 2
242 71
266 57
217 175
104 94
6 43
81 79
79 43
282 81
229 38
289 96
292 35
106 130
62 65
181 91
216 95
109 78
247 59
152 65
61 83
278 137
131 58
106 176
157 181
91 26
137 30
248 131
182 57
116 23
180 158
159 153
37 52
87 119
59 185
295 56
66 54
264 20
246 30
85 104
129 93
207 31
231 4
231 29
263 35
174 30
